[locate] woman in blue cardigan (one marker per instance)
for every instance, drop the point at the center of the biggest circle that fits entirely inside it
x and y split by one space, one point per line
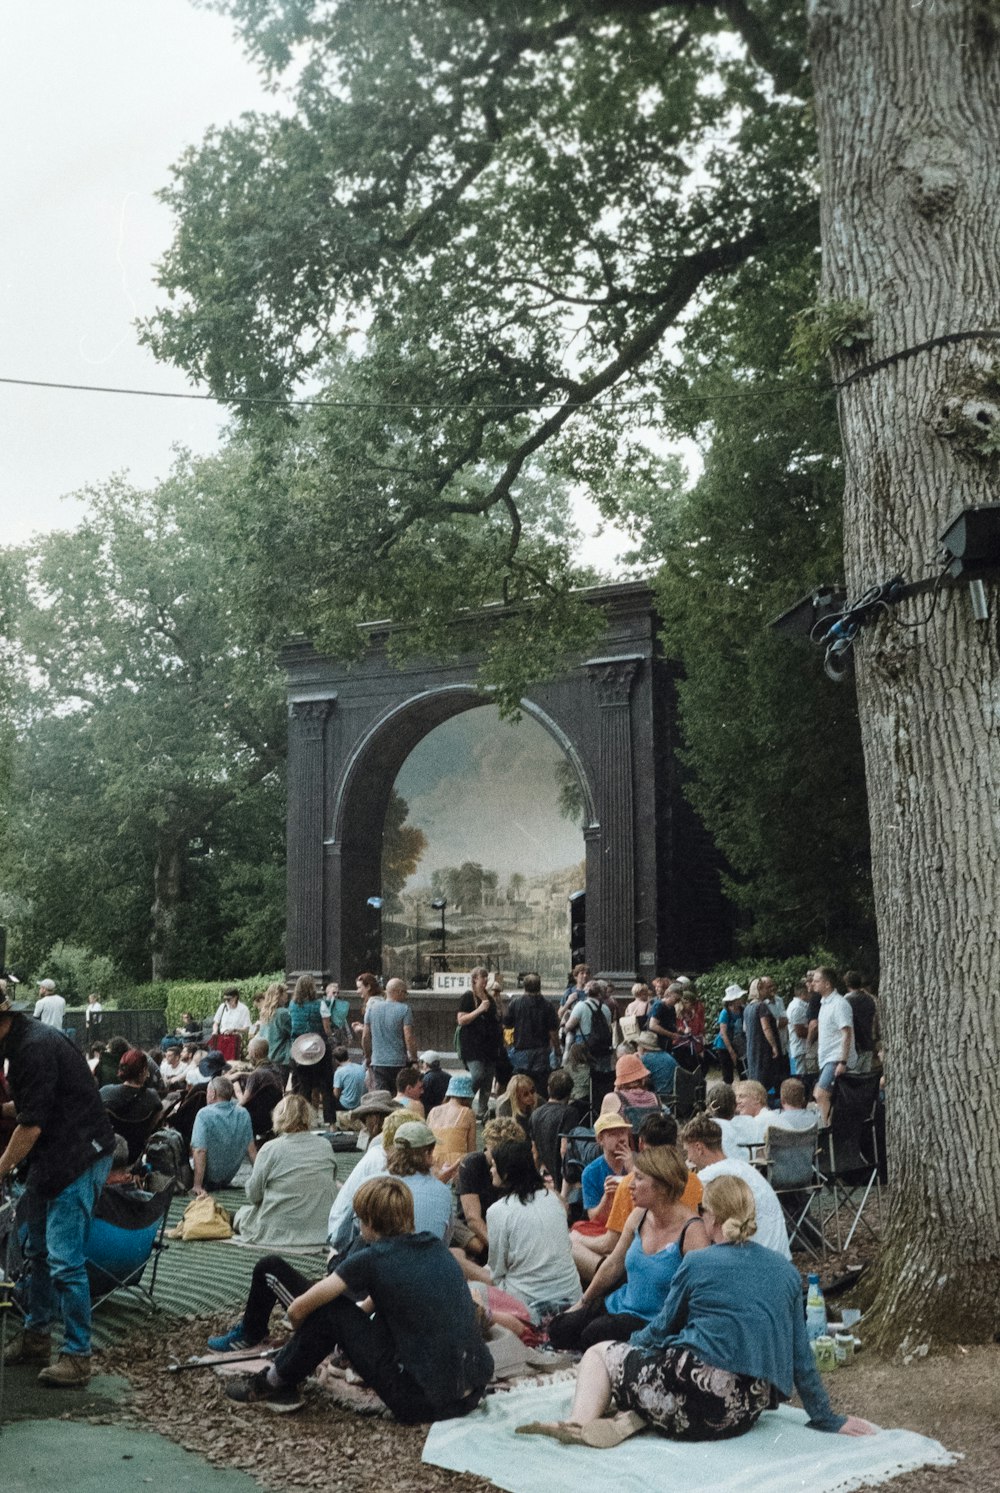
729 1342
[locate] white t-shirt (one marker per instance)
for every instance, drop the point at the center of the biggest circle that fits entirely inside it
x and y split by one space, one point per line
793 1119
730 1143
530 1254
834 1014
746 1131
235 1020
798 1015
771 1230
50 1009
777 1010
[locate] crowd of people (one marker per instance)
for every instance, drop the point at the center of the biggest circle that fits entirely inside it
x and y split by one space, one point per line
545 1190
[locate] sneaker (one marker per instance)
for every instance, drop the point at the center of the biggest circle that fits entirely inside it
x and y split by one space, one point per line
230 1342
253 1389
70 1371
29 1347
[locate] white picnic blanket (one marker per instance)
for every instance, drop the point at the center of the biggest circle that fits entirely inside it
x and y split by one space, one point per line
780 1455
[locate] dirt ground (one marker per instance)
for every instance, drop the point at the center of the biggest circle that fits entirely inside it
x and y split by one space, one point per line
953 1398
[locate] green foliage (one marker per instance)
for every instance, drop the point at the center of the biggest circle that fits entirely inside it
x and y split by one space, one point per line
502 198
403 846
201 998
148 797
77 972
784 972
822 328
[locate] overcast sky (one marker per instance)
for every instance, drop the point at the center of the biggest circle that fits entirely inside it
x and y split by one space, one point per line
97 99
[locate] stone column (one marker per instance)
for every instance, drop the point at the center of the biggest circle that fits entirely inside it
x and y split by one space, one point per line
615 910
306 827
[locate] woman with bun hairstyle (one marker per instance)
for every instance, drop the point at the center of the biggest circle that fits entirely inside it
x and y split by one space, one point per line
729 1343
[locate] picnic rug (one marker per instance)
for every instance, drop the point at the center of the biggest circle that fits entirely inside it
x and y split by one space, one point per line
781 1454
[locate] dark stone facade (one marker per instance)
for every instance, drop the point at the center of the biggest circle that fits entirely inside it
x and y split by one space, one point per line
653 894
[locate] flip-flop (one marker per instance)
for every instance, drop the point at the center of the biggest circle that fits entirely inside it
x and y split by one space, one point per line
613 1431
565 1431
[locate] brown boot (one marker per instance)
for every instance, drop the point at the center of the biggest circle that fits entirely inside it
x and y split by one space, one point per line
70 1371
29 1347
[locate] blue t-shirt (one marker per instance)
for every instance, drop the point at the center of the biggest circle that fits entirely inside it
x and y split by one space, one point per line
385 1020
663 1067
432 1205
734 1021
350 1080
224 1130
595 1174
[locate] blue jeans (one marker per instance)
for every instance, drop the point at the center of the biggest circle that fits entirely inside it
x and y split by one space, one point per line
56 1248
482 1075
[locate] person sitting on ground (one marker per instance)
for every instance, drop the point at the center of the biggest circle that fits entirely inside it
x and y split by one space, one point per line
409 1152
577 1065
426 1364
172 1070
454 1121
132 1106
107 1068
661 1066
293 1183
221 1137
206 1067
372 1113
530 1255
793 1114
659 1232
435 1081
702 1142
632 1095
190 1026
348 1088
409 1087
548 1125
519 1102
602 1175
476 1189
94 1053
752 1115
720 1105
260 1090
656 1131
704 1370
155 1079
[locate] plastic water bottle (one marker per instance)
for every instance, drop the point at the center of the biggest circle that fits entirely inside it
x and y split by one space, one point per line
815 1310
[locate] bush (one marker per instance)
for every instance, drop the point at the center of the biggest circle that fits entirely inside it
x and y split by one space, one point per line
784 972
77 971
202 997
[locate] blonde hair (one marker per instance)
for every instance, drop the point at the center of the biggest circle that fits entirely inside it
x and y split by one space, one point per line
392 1124
664 1165
749 1088
273 998
520 1084
385 1205
731 1201
407 1161
503 1128
291 1115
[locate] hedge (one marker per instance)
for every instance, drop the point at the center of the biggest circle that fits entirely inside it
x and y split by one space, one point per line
784 972
200 997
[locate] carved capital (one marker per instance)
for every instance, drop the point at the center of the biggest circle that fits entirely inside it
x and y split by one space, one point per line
310 717
613 678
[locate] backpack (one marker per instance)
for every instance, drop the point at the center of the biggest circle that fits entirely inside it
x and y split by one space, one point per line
598 1039
166 1155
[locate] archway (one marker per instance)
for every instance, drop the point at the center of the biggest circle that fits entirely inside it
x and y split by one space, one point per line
653 897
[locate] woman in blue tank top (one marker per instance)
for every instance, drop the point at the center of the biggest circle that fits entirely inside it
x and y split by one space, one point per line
660 1231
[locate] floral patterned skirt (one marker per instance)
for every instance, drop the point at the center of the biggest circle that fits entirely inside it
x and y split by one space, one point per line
681 1396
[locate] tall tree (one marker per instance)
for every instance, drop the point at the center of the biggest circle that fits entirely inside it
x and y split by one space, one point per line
153 747
524 205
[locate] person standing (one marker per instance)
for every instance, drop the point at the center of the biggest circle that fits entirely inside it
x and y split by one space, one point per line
836 1050
92 1016
760 1031
729 1047
65 1136
309 1014
867 1031
480 1036
536 1033
232 1015
388 1040
49 1007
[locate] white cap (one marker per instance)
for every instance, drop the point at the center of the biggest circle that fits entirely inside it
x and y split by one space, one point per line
46 984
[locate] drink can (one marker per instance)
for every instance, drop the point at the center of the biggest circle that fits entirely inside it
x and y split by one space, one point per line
825 1354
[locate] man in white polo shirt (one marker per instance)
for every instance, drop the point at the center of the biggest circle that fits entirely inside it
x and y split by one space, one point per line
835 1048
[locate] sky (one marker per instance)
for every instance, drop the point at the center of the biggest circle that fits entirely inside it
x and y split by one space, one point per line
97 99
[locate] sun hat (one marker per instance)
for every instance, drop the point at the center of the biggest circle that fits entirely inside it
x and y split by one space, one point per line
630 1069
428 1057
460 1086
378 1102
308 1049
733 993
415 1134
212 1065
613 1120
649 1040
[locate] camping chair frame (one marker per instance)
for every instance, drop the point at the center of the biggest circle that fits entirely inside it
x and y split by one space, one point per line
849 1160
105 1282
788 1161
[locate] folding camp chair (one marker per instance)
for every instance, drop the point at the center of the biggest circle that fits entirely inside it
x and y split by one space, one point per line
688 1096
848 1154
125 1233
788 1161
581 1149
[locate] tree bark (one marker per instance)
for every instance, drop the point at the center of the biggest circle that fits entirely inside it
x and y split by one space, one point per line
908 108
168 885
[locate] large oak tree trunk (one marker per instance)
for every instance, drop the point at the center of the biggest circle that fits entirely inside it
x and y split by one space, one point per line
908 105
168 887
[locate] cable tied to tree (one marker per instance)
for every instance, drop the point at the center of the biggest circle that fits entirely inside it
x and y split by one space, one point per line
948 339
